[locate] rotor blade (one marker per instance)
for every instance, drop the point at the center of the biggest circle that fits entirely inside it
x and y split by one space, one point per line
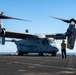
67 21
7 17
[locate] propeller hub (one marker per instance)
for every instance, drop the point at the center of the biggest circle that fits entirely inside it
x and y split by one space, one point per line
1 13
72 19
72 23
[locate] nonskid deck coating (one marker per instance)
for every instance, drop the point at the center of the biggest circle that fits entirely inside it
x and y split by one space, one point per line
37 65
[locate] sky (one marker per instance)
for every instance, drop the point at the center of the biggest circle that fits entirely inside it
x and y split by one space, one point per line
37 11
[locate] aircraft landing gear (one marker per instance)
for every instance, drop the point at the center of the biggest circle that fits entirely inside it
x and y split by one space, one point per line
40 54
54 54
20 53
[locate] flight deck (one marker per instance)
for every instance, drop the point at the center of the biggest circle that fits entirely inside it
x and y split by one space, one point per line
37 65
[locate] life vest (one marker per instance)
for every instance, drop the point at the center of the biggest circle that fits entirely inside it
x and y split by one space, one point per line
63 45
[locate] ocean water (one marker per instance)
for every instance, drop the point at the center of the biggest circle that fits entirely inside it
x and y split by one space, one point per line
8 53
68 53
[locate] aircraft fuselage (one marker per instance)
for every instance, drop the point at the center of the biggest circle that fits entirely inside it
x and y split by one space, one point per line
37 45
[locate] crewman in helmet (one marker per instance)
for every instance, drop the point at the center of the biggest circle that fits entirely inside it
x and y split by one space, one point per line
63 49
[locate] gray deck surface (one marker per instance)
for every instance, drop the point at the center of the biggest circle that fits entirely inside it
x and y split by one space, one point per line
37 65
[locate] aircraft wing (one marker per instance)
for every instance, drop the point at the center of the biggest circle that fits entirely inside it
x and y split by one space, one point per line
10 34
17 35
56 36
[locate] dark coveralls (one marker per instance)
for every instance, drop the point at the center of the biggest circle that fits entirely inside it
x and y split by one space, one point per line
63 49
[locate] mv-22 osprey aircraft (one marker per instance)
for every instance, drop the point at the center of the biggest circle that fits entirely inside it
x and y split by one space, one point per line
28 43
38 43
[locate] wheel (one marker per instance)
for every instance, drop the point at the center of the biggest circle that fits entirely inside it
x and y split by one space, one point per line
40 54
20 53
54 54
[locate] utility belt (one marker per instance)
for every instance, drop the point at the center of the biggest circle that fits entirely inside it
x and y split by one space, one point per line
63 49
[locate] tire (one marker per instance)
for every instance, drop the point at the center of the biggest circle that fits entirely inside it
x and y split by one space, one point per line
20 53
54 54
40 54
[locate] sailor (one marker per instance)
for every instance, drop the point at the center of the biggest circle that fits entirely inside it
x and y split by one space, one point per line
63 49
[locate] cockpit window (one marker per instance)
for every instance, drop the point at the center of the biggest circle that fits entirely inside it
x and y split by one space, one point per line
45 41
48 41
51 40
